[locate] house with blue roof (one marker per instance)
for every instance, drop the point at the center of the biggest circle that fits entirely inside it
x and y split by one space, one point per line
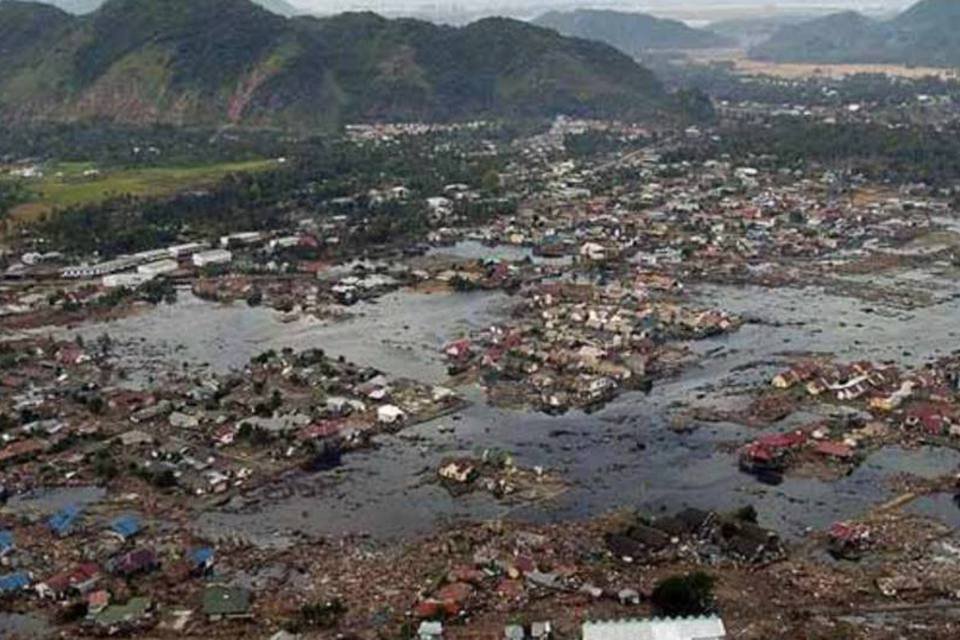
125 526
6 543
201 559
14 582
63 521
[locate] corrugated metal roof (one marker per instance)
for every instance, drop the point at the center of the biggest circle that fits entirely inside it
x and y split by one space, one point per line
225 601
202 556
6 541
704 628
126 526
14 582
130 613
62 522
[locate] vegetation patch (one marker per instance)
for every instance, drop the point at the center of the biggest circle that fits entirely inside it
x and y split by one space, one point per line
76 184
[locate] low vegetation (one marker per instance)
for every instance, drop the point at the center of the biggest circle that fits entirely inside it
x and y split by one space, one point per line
68 185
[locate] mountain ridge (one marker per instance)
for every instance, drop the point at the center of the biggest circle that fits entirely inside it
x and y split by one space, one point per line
81 7
925 34
217 62
632 33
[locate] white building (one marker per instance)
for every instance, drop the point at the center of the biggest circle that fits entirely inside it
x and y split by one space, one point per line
151 256
99 269
593 251
390 414
129 280
214 256
399 193
27 172
158 268
240 238
178 250
440 207
703 628
36 258
286 242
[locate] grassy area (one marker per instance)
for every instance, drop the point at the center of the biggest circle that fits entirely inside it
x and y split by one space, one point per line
77 183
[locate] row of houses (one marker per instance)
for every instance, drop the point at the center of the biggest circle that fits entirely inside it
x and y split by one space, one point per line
124 263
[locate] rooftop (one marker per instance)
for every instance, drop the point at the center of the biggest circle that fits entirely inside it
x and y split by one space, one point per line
703 628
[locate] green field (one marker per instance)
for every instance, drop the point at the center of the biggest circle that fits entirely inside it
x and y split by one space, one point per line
68 184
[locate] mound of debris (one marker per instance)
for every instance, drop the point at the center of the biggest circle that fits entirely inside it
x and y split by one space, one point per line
699 536
497 473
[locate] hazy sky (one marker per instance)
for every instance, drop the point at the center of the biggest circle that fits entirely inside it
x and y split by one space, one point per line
688 9
337 5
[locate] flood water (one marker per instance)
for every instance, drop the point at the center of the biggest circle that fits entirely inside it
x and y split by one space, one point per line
401 333
625 455
17 626
46 502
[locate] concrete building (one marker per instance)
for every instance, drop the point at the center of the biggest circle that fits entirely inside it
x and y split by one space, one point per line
703 628
129 280
214 256
188 248
99 269
158 268
241 238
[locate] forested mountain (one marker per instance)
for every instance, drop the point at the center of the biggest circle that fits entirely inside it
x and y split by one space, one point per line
230 61
751 31
926 34
632 33
280 7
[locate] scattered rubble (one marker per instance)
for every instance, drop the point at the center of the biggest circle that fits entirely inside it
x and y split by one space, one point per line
496 473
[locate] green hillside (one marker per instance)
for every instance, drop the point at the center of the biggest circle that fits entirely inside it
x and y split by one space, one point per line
925 35
280 7
230 61
632 33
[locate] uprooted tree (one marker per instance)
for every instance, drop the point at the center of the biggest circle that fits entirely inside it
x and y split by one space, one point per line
686 595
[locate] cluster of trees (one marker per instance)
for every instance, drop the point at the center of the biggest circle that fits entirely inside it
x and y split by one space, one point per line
594 143
322 171
887 153
12 193
720 81
110 144
154 292
685 595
